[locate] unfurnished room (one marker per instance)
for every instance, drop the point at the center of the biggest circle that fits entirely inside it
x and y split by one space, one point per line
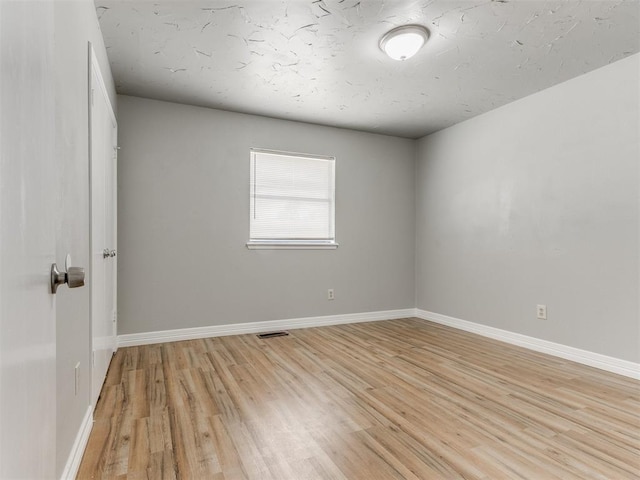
319 239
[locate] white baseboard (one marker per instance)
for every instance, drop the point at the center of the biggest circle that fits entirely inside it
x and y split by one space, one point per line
77 450
148 338
603 362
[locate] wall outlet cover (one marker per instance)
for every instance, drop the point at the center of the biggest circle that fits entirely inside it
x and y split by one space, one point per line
541 311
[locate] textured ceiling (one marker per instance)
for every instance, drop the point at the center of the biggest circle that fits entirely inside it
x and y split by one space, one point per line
318 60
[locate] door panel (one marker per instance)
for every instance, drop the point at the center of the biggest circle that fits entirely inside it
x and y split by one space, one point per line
103 234
28 199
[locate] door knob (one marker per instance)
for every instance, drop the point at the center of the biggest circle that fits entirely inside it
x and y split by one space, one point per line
106 253
73 277
112 253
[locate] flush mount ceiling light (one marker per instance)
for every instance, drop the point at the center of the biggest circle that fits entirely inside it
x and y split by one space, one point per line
404 42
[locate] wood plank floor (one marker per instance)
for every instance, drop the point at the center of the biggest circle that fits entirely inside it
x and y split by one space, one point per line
400 399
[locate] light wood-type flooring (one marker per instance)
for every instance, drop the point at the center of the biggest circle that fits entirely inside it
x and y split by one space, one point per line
400 399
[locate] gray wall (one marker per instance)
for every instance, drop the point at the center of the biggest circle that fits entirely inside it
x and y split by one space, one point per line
537 203
75 24
183 221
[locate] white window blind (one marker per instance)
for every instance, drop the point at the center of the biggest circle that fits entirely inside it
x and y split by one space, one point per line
291 199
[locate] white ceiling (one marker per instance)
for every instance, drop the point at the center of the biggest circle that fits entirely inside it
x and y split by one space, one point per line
318 60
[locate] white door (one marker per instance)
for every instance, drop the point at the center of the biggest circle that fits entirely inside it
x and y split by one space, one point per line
29 192
103 137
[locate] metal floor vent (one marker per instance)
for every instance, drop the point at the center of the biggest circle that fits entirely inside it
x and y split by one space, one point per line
273 334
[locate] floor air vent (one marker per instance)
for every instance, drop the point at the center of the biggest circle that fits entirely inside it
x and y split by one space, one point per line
273 334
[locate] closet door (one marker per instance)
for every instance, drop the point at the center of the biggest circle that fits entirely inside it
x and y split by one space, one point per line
103 168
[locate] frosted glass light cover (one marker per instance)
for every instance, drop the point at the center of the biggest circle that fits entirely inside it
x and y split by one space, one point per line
404 42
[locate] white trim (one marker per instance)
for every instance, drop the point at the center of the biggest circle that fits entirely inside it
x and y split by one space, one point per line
290 245
96 65
79 445
603 362
292 154
147 338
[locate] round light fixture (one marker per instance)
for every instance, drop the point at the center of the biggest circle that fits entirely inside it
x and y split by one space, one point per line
404 42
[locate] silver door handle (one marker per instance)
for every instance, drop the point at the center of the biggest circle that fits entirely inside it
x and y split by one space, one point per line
112 253
106 253
73 277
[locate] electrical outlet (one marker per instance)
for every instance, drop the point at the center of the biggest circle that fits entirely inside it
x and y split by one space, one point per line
330 294
541 312
77 379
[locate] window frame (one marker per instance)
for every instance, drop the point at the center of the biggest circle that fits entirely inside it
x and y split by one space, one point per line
292 244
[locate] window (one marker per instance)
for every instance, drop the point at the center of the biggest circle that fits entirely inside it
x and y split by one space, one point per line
292 200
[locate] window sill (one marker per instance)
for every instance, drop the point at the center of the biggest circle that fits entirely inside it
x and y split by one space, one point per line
291 245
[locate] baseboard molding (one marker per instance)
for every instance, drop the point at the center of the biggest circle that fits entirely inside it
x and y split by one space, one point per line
149 338
77 450
603 362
